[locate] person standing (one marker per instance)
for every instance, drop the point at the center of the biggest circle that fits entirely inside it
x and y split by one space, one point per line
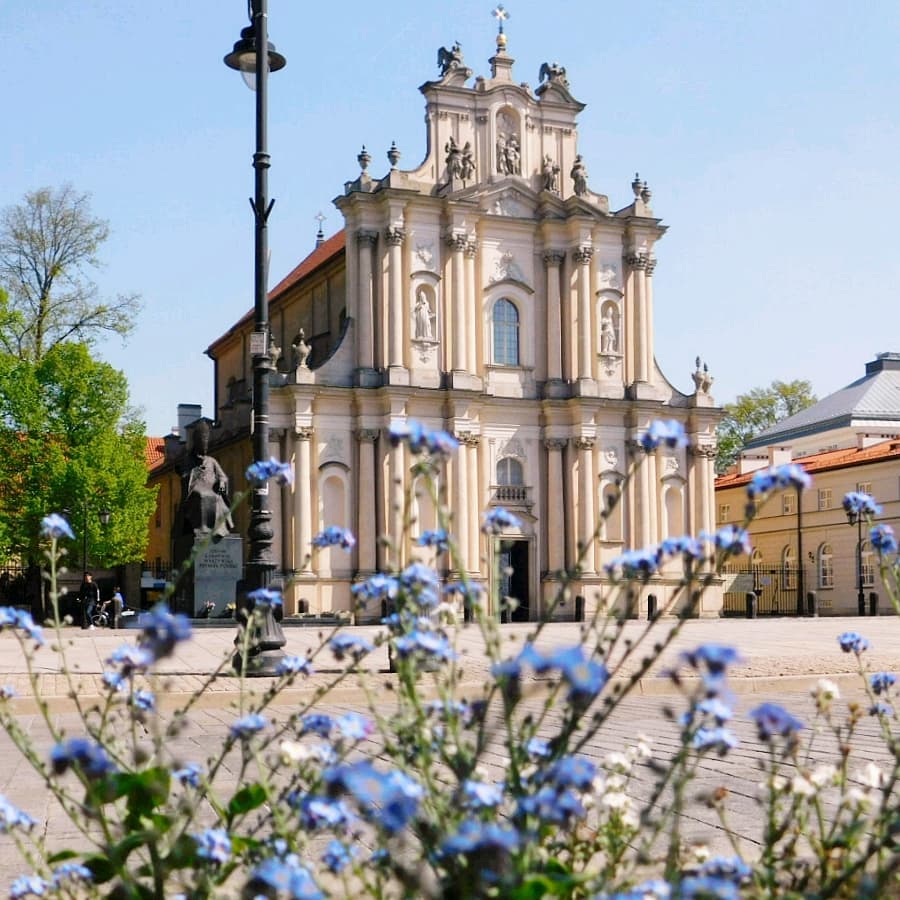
118 603
89 595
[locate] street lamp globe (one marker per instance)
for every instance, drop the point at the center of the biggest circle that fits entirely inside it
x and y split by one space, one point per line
243 57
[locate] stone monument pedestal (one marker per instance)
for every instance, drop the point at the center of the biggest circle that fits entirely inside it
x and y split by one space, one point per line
217 571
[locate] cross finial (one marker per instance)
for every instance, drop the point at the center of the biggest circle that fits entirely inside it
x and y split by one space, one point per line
501 15
320 235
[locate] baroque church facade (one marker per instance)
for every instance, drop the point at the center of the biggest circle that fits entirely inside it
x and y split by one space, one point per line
492 293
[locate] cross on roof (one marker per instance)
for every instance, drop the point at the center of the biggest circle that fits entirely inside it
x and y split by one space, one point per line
500 14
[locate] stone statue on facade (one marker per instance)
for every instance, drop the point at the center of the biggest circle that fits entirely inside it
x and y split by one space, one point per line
703 381
300 350
508 155
454 159
205 497
424 330
579 177
553 72
550 175
608 340
467 162
451 59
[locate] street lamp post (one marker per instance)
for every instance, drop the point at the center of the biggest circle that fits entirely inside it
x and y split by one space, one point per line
854 517
268 638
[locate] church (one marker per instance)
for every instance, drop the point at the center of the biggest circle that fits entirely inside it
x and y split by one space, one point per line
493 293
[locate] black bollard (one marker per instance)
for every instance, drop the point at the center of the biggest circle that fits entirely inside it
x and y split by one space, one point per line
751 605
579 608
652 608
873 604
861 605
812 604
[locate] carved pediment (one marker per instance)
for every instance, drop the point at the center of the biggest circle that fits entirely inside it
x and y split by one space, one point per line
510 202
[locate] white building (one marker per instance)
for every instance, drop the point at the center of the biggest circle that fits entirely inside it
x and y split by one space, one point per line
491 293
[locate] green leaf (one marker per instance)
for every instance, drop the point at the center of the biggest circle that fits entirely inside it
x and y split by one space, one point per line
246 799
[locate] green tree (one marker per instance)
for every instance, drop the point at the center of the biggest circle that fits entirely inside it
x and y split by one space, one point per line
67 440
754 412
49 243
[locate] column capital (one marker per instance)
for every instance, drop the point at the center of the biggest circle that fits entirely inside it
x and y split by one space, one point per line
703 451
471 249
651 264
635 447
395 236
456 241
637 260
584 443
367 435
554 257
367 237
468 438
556 444
303 433
582 255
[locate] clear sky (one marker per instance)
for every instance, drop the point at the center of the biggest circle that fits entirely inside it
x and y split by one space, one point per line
768 131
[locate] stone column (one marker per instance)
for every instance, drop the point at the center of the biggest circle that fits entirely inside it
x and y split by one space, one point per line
366 241
287 505
460 486
366 527
638 263
474 314
554 504
396 488
471 443
648 314
585 447
552 261
396 317
582 257
457 244
302 499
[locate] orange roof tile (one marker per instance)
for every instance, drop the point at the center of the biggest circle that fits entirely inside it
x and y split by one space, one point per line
827 459
154 452
324 253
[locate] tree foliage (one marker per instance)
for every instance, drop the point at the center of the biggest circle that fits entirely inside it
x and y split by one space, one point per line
68 441
49 243
757 410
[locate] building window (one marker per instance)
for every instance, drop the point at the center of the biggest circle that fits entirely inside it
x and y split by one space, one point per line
826 566
865 487
789 568
724 512
509 471
867 562
506 333
788 503
825 500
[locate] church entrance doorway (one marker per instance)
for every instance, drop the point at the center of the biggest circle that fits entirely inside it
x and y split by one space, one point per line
514 580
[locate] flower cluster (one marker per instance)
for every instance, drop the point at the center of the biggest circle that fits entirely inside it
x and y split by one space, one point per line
663 434
644 564
261 472
55 527
497 520
773 720
265 598
85 755
10 617
851 642
420 440
585 676
334 536
161 630
858 504
765 481
883 539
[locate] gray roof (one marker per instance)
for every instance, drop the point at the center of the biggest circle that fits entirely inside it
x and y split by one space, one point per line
874 397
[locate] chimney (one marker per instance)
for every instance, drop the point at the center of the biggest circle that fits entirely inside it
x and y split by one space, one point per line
187 413
780 456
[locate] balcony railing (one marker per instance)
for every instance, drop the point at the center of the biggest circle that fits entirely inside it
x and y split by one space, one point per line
512 494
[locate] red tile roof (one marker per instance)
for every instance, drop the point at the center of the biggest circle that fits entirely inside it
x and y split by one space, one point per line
154 452
324 253
827 459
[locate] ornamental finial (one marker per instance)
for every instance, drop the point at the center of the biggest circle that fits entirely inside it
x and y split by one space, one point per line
320 234
501 15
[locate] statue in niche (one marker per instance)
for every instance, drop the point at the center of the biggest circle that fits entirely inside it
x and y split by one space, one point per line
424 330
451 59
300 349
467 162
508 155
579 177
454 159
609 340
206 503
550 174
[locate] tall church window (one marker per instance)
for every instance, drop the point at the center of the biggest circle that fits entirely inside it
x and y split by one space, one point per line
509 471
506 333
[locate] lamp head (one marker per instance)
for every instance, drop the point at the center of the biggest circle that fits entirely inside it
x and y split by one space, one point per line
243 57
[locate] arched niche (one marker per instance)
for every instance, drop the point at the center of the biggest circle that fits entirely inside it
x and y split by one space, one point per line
508 141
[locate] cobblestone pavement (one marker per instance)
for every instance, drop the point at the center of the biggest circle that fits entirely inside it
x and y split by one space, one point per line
782 659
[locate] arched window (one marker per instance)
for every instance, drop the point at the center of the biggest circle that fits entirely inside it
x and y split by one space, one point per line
509 471
789 568
611 503
506 333
826 566
674 518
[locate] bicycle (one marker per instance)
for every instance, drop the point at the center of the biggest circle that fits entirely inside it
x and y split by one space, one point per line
100 619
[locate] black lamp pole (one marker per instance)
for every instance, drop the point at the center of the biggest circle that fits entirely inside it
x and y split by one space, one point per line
268 638
104 516
855 518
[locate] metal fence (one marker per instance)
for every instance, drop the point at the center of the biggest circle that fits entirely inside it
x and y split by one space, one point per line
775 588
13 585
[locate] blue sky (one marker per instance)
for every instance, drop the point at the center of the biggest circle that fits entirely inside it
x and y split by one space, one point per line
768 131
